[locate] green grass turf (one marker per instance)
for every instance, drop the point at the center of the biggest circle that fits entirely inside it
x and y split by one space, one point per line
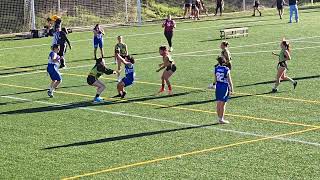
82 140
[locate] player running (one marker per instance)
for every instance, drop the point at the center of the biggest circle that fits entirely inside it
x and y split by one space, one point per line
169 66
284 56
123 49
60 38
224 88
93 78
128 61
98 33
53 69
169 25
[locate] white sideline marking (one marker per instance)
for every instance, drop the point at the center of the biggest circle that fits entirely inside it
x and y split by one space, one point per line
187 54
166 121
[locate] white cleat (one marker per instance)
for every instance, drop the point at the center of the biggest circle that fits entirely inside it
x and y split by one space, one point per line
222 121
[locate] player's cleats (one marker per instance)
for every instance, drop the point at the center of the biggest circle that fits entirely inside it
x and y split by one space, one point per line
171 49
274 90
123 94
222 121
50 94
117 96
295 84
161 90
97 100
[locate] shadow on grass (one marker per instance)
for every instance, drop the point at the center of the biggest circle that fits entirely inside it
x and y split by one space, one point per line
271 82
84 104
190 103
128 137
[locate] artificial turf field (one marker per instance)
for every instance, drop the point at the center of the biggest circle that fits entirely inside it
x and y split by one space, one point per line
149 136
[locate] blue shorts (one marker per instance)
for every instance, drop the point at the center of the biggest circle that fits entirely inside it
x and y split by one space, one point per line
53 71
127 81
97 43
222 93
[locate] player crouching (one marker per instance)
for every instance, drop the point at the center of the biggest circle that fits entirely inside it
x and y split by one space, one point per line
128 80
93 78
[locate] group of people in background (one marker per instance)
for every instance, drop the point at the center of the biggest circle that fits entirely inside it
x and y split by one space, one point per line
193 8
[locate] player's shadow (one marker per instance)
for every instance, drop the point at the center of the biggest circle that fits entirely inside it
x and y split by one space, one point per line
42 90
128 137
190 103
51 108
271 82
154 97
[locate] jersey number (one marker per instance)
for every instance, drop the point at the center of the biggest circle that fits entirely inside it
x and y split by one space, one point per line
220 77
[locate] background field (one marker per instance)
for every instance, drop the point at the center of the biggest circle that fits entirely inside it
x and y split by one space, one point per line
271 136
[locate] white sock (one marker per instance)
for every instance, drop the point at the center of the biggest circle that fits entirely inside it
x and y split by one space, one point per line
291 80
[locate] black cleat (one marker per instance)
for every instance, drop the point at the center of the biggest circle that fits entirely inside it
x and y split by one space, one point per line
50 94
117 96
123 95
295 84
274 90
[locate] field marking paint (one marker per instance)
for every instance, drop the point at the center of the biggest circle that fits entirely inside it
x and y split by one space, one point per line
164 120
203 89
179 108
185 54
184 87
197 152
22 74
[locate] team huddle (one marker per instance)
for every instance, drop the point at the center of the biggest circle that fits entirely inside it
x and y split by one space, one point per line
222 84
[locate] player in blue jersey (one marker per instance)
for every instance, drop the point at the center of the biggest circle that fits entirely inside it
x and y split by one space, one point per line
224 87
98 32
53 69
128 80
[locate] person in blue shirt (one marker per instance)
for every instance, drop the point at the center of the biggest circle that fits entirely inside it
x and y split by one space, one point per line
293 4
128 80
53 69
98 33
224 87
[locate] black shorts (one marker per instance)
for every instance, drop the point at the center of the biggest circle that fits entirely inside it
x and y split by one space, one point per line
91 80
187 5
194 6
279 7
283 64
172 68
62 50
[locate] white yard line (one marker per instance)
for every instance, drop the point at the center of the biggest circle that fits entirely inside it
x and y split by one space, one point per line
166 121
187 54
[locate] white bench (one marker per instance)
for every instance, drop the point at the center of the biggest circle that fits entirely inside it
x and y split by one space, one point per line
234 32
